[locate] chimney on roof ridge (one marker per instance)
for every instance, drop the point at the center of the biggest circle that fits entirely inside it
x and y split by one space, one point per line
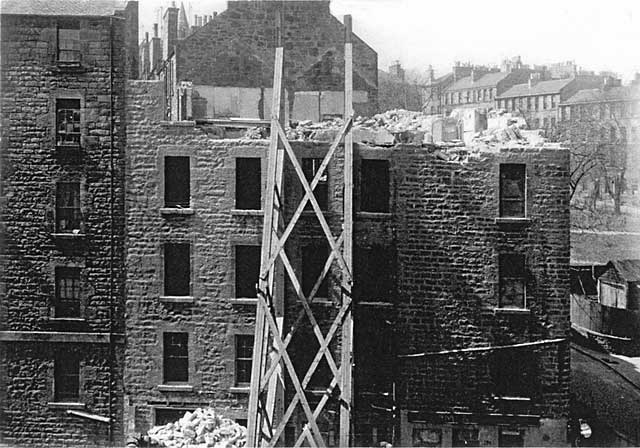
534 78
155 30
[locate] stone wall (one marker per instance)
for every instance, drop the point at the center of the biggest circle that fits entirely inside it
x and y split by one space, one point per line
441 242
32 80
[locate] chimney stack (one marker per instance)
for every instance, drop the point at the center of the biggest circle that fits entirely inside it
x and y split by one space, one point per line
155 30
169 31
146 36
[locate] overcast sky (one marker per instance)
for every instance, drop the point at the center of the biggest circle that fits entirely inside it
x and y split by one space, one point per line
597 35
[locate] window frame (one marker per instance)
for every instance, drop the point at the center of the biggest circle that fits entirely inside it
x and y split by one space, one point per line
309 275
69 25
501 196
169 358
76 211
506 262
59 104
237 360
76 276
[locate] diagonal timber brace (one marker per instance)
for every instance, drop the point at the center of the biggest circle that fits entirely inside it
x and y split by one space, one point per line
273 368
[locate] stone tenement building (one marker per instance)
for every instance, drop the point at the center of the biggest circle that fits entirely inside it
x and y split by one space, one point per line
453 252
224 68
64 66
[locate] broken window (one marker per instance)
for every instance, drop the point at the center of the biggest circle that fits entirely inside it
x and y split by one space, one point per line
513 372
67 295
69 42
310 168
68 122
247 270
176 357
512 190
177 181
68 213
248 184
374 186
244 354
314 258
512 281
373 274
177 269
66 378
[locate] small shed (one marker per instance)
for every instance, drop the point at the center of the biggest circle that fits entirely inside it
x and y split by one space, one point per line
619 285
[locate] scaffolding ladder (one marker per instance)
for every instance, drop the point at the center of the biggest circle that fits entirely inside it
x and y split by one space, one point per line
272 366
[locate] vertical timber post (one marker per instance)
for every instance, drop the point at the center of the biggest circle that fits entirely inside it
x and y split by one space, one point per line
347 327
256 422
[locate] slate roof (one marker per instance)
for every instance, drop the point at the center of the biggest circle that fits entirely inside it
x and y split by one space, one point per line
440 79
628 270
488 80
61 7
620 93
540 88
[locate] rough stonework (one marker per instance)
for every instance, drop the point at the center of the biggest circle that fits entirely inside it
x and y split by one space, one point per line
436 244
42 240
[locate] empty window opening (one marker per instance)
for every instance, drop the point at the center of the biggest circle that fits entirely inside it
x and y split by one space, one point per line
67 378
244 354
247 270
512 190
177 269
314 258
68 122
248 184
374 281
310 168
176 357
68 213
374 186
510 438
177 181
513 372
67 299
69 42
512 281
374 353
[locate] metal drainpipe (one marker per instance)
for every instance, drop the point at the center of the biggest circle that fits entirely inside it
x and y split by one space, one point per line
112 236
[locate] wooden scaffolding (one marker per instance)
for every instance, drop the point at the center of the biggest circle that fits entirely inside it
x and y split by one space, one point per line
272 367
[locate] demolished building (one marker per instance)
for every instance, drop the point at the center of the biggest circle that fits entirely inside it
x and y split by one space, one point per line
461 308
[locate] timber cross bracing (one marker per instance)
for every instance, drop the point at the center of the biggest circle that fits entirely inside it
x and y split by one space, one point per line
272 363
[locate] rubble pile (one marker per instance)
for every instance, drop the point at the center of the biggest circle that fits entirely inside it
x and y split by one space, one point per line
199 429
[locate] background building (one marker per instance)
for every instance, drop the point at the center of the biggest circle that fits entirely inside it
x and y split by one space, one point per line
228 61
64 66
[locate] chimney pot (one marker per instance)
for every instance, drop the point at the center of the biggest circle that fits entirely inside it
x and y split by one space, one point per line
155 30
146 36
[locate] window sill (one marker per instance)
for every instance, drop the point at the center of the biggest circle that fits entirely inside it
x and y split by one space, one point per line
320 301
68 236
513 220
308 213
512 310
240 389
379 303
373 215
178 299
66 405
516 399
66 319
244 301
70 66
242 212
175 387
176 211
